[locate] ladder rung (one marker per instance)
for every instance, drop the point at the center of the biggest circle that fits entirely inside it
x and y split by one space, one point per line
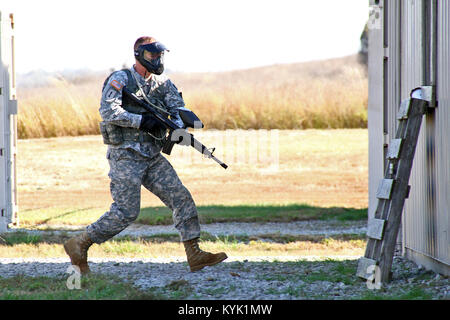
404 109
385 188
364 270
394 149
375 228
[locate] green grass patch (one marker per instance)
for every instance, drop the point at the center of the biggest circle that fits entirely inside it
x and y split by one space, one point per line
48 217
178 289
345 214
13 238
415 293
255 213
92 287
328 270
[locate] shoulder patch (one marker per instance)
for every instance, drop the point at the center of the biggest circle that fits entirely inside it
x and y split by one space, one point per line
116 85
110 94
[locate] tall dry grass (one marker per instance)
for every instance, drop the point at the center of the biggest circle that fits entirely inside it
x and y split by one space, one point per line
59 109
319 94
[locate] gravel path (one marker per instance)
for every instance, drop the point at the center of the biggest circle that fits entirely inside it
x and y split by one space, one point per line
242 278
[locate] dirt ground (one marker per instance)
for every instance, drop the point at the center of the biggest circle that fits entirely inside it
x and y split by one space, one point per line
322 168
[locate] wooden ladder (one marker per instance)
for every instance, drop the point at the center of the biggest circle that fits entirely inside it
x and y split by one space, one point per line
383 229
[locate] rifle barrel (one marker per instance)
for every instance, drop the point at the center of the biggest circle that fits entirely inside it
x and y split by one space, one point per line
200 147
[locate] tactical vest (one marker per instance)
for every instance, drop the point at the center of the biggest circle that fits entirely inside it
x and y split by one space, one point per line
116 135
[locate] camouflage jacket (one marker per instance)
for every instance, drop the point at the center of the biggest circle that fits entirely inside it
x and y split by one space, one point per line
111 110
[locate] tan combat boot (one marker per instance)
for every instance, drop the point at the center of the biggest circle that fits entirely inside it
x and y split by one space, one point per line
77 248
199 259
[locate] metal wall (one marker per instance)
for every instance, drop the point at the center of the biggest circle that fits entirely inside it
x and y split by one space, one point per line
8 124
375 103
413 77
443 132
384 88
406 50
426 215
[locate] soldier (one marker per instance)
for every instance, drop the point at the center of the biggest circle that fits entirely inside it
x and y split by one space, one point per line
135 141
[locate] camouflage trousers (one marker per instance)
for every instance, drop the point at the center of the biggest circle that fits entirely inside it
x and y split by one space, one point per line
128 171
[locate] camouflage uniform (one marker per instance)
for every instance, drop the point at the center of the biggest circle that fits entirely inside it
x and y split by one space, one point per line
136 163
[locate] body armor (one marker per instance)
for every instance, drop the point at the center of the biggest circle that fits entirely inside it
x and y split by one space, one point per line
115 135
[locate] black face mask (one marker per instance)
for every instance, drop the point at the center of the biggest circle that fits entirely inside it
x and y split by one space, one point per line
156 65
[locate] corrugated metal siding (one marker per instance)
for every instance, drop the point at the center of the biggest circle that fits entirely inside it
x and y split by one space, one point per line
412 77
411 70
393 60
426 216
442 117
375 108
384 91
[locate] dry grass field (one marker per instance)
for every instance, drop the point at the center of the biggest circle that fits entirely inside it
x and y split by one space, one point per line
318 94
257 113
322 168
65 178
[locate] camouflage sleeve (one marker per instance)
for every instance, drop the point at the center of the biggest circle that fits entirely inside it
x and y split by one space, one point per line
111 103
173 101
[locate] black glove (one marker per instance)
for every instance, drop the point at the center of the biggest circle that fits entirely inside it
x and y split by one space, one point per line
148 123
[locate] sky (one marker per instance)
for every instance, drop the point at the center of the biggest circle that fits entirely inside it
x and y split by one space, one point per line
202 35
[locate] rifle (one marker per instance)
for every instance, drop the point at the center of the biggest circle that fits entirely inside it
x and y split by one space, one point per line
189 119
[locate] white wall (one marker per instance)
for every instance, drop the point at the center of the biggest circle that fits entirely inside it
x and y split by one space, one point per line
8 125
